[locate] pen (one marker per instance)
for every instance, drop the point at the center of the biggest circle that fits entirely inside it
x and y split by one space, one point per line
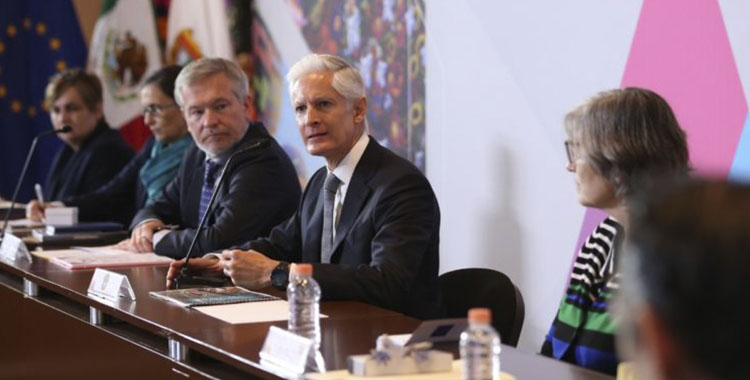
39 194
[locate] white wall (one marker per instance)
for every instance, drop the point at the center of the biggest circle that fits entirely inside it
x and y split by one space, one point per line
500 78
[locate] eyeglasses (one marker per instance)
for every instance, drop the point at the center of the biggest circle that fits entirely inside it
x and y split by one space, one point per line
156 109
570 150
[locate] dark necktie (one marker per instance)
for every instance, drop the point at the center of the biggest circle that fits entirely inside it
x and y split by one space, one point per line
329 196
209 177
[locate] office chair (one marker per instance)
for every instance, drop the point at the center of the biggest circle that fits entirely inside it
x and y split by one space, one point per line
464 289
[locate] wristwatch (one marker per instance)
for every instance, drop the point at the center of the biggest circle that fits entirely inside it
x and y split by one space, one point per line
280 275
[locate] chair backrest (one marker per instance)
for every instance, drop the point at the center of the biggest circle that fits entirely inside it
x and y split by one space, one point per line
464 289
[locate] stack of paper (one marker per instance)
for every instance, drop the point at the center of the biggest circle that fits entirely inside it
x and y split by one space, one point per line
6 205
22 223
250 312
75 238
19 209
21 227
100 257
61 216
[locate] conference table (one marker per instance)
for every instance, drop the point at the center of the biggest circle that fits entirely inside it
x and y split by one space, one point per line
51 328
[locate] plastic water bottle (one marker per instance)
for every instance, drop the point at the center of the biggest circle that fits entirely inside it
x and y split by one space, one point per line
480 347
303 293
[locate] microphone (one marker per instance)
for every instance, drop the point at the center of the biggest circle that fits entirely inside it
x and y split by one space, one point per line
186 278
64 129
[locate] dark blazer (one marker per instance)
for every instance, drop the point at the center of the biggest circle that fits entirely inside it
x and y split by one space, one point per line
259 191
386 246
74 173
121 197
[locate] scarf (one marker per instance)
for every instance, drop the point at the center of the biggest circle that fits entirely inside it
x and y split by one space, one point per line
162 165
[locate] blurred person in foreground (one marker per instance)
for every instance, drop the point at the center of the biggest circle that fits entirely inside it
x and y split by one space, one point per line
260 188
683 306
618 141
93 153
143 178
368 220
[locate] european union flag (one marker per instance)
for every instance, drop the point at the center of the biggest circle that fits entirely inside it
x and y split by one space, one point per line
37 39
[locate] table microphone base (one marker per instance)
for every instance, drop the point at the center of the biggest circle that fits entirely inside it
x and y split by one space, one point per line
186 280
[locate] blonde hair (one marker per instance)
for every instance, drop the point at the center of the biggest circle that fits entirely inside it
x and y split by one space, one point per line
88 86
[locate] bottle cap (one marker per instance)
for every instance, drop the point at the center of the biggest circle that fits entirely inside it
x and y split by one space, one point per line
303 269
480 315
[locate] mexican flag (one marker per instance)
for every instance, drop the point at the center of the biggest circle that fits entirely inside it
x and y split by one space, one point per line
124 51
197 28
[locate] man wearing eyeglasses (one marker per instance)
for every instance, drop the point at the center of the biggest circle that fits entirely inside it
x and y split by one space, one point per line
260 188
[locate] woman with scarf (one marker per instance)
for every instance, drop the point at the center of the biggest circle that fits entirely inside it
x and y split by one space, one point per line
143 178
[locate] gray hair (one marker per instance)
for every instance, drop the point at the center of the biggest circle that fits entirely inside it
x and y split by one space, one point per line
347 80
205 67
630 136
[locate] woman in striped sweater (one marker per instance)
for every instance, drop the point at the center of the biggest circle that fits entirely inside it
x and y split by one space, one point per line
617 141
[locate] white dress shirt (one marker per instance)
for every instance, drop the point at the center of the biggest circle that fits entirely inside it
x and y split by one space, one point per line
344 172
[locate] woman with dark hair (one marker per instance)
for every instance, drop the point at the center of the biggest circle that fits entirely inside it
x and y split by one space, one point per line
142 179
618 142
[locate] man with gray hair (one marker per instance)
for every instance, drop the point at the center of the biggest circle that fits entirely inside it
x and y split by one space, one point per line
368 221
683 303
260 189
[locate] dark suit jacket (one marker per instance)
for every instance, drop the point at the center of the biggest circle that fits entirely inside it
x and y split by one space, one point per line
74 173
259 191
386 246
121 197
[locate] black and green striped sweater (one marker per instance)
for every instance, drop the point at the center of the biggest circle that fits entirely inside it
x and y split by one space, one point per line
583 331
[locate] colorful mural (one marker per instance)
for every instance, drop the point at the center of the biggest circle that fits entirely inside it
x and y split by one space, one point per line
270 97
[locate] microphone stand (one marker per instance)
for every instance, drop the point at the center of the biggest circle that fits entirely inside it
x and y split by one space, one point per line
64 129
188 278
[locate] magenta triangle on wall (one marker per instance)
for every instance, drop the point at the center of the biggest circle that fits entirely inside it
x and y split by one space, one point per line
681 50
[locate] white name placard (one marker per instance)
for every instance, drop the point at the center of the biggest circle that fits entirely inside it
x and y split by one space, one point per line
13 248
285 350
110 285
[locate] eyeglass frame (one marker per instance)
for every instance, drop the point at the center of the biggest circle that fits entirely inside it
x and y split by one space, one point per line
156 109
570 152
